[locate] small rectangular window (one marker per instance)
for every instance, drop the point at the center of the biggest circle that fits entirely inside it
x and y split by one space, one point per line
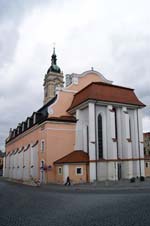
79 171
59 170
146 164
42 145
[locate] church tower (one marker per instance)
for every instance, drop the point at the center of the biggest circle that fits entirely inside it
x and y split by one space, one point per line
53 79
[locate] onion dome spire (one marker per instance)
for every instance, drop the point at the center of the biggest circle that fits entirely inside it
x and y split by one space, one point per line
54 67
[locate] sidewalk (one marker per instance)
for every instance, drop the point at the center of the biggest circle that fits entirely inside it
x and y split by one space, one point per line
102 186
122 185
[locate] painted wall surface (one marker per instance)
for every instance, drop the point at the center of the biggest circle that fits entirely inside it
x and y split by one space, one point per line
78 178
122 140
18 166
60 141
70 170
147 168
65 96
59 177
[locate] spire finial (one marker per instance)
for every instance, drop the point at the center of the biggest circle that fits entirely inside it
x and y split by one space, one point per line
54 48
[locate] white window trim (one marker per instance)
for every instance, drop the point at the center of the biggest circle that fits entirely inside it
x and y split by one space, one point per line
79 174
42 141
28 123
60 173
34 118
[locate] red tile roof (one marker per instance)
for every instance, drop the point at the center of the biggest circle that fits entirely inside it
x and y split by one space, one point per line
74 157
106 92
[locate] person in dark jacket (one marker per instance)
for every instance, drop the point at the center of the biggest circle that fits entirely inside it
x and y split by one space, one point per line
68 181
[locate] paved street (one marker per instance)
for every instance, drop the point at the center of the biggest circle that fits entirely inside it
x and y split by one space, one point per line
22 205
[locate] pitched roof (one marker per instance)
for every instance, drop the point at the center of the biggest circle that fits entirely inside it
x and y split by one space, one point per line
74 157
2 154
106 92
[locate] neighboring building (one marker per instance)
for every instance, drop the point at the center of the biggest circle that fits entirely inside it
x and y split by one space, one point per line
90 130
1 162
147 153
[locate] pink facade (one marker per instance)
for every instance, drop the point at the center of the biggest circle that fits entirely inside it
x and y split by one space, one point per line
57 137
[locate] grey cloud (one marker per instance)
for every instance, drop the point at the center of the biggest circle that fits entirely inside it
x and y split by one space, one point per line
131 56
15 10
11 15
8 43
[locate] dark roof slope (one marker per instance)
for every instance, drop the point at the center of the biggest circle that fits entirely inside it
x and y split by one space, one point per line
106 92
47 104
2 154
74 157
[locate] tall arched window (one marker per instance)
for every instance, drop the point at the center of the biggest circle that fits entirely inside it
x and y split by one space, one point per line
130 128
100 137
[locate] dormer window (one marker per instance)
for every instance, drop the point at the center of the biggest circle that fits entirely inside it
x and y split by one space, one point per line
13 133
28 123
23 126
34 118
10 132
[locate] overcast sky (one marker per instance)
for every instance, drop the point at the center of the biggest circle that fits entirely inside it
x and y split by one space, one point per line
111 36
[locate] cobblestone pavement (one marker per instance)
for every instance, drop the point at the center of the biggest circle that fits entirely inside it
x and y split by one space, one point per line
22 205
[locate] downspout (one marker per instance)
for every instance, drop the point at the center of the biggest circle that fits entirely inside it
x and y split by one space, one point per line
138 143
95 139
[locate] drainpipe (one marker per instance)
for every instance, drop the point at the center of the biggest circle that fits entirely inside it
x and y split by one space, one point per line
138 142
95 138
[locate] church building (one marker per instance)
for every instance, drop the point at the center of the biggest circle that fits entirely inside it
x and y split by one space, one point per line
88 129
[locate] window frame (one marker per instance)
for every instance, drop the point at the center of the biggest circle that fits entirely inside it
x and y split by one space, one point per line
100 135
60 170
146 165
79 167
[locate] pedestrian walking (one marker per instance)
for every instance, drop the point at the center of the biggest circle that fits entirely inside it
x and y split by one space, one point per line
68 181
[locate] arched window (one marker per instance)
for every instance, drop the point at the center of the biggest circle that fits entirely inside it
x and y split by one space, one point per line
100 137
130 128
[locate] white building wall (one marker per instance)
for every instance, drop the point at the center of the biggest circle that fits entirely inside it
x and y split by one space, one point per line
15 166
140 133
20 164
81 129
141 147
127 166
119 132
26 166
112 171
102 171
34 162
134 133
7 166
4 166
127 148
78 140
11 166
65 172
111 143
92 140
